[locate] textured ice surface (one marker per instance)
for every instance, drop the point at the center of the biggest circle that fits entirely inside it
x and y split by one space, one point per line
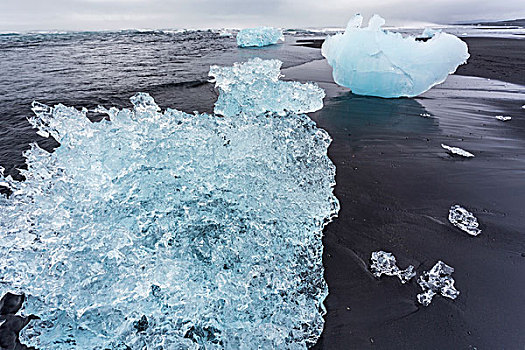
457 151
503 118
260 36
464 220
165 230
254 87
437 280
384 263
375 62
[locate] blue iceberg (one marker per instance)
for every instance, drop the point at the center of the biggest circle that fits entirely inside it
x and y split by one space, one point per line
162 229
375 62
260 36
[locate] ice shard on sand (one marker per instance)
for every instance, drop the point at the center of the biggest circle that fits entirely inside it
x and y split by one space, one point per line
464 220
456 151
384 263
437 280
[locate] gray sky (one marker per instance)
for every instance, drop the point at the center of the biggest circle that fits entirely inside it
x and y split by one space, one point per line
21 15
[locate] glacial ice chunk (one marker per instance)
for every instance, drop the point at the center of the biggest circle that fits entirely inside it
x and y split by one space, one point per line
437 280
260 36
458 151
162 229
503 118
375 62
464 220
253 87
384 263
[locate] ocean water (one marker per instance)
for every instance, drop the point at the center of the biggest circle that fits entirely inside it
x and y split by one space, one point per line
87 69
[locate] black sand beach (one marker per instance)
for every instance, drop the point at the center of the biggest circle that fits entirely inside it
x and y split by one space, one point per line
501 59
396 184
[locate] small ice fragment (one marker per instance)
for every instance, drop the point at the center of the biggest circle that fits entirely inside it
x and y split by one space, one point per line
457 151
225 33
384 263
5 184
437 280
523 106
143 102
376 62
100 109
425 298
503 118
42 133
260 36
464 220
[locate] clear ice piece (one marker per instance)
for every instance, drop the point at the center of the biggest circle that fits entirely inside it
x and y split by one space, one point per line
162 229
458 151
384 263
425 298
437 280
464 220
503 118
376 62
260 36
253 87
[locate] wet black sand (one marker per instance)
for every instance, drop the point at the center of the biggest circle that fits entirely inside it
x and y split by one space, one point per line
395 185
501 59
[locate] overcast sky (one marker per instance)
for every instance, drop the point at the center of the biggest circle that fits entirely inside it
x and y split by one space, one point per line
21 15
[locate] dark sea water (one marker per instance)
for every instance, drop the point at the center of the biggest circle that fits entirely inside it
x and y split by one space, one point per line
87 69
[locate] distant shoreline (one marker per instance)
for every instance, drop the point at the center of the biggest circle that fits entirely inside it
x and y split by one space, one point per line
520 22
